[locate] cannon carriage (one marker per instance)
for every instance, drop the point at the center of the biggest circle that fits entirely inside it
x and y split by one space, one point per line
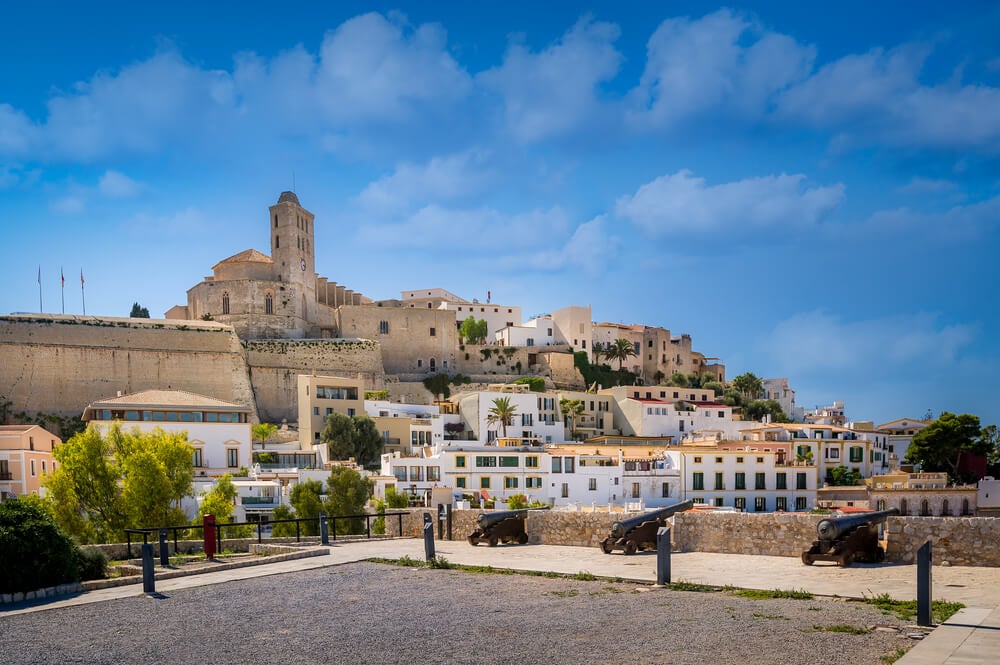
639 532
847 539
505 526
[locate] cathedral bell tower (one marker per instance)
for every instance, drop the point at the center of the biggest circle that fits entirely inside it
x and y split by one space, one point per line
292 251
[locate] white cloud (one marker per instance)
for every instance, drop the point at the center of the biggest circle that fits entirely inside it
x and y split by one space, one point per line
817 342
590 249
179 223
722 60
117 185
441 179
918 185
877 97
681 202
68 205
555 91
17 132
958 223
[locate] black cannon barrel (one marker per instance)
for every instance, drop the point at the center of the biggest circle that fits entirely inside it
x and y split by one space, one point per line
622 527
833 528
485 520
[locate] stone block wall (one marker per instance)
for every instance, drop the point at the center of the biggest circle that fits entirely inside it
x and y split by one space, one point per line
961 541
770 534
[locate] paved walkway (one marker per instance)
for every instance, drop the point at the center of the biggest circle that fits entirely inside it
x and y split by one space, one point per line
970 637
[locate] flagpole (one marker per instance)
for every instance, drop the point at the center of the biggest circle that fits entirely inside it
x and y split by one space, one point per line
40 308
63 278
83 295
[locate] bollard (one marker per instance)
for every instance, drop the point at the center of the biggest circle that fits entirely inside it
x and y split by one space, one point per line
208 535
428 537
924 559
148 578
164 550
447 512
663 556
441 518
324 530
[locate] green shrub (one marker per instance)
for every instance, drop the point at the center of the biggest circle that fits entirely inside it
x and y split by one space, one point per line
517 502
93 563
34 552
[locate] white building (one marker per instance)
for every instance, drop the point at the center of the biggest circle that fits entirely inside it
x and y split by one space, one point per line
900 433
218 430
535 415
749 480
781 392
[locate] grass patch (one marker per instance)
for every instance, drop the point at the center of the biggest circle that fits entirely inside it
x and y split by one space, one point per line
570 593
890 658
758 615
681 585
440 563
584 576
906 610
768 594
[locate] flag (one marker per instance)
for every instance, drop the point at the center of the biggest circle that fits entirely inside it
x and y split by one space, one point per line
62 277
39 274
81 278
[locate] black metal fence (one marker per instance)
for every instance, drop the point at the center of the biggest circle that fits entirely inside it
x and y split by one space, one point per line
259 527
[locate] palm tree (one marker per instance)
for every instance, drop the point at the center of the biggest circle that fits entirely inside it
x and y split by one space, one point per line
263 431
749 385
571 409
621 350
598 350
502 412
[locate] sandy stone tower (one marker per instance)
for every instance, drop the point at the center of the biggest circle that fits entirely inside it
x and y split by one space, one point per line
293 251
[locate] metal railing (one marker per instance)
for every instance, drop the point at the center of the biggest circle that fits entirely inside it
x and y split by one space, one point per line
311 522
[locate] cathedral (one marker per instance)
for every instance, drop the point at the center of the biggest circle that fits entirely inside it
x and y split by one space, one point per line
277 296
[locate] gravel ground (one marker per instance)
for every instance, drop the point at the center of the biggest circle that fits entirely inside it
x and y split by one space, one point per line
376 613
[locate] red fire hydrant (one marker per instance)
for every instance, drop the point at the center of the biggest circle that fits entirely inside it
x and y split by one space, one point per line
208 523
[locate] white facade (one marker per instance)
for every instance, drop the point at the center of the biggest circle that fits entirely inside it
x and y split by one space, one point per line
536 332
749 480
642 416
497 317
781 392
573 326
530 420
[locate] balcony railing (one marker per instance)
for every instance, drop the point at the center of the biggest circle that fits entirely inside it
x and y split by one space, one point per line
258 500
6 476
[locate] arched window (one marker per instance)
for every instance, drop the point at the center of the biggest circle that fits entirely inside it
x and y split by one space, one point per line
268 303
880 505
925 508
433 365
902 506
383 327
965 506
945 508
225 302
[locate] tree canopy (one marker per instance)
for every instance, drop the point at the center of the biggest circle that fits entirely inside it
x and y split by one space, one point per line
104 485
758 408
841 475
34 551
536 383
306 499
347 494
473 331
352 436
438 385
138 312
571 410
749 385
263 431
940 445
621 350
501 413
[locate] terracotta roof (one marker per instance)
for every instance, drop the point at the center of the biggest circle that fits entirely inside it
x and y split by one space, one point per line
246 256
167 399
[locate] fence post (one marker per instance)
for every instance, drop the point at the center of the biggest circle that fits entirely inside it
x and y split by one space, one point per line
324 532
164 549
128 543
663 556
428 536
208 535
925 616
447 509
148 577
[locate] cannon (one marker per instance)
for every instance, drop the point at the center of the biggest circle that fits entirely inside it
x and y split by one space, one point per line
849 538
506 526
639 533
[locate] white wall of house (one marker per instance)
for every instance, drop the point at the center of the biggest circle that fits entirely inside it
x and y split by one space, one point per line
711 463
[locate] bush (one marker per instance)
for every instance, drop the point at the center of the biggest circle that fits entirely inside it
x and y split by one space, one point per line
517 501
34 552
535 383
93 563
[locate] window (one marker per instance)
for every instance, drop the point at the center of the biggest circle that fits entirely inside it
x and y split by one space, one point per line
833 453
760 504
197 457
484 482
530 341
636 491
760 460
760 482
416 473
718 460
568 465
509 460
32 467
697 460
665 488
531 461
459 461
800 503
268 303
719 482
433 332
433 365
565 490
592 484
557 465
857 454
527 419
485 460
232 458
800 481
781 481
740 503
460 482
510 482
315 410
741 481
718 501
383 327
722 414
532 482
225 302
903 508
781 503
698 480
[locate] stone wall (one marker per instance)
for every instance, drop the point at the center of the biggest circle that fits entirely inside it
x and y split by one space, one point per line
770 534
961 541
60 363
276 363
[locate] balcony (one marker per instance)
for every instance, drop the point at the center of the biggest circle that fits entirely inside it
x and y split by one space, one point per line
6 475
258 500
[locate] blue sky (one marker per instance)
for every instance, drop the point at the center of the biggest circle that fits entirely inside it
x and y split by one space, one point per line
809 192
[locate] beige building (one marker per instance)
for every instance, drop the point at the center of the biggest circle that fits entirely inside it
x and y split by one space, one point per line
658 353
320 396
924 494
25 456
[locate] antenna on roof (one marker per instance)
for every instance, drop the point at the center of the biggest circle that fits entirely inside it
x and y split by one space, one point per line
293 181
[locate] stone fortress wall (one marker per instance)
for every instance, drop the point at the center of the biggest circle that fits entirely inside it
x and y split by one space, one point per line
965 541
